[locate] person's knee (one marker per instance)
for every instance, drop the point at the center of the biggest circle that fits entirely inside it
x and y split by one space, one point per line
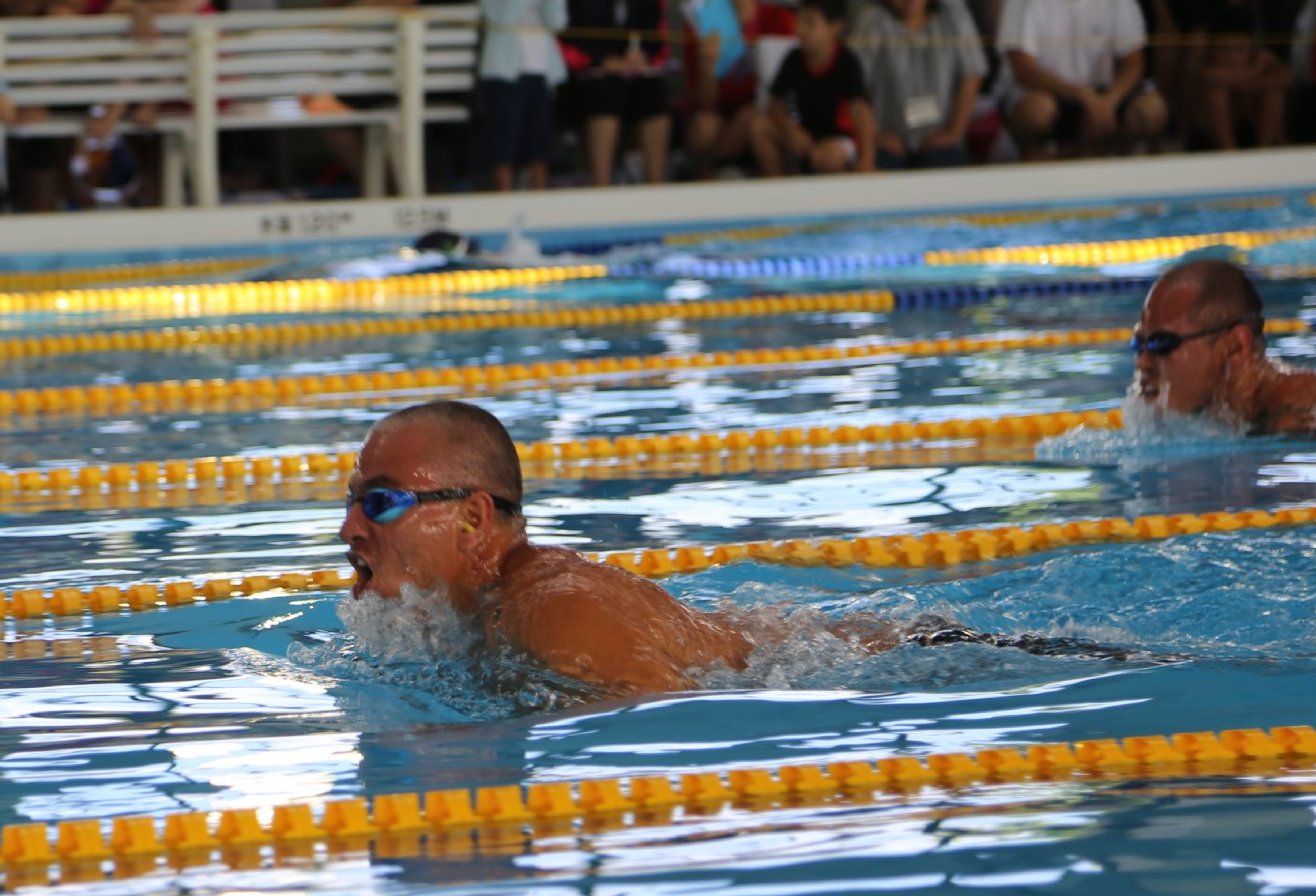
1147 115
1034 115
702 130
830 157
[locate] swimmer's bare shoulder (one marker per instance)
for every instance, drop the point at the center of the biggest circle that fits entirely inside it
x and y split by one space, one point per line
602 625
1289 403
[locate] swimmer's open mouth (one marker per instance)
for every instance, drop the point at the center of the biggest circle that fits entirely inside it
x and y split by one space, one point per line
363 572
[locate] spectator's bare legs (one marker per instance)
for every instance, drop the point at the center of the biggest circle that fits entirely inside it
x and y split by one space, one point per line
831 155
1217 113
1263 109
654 135
1145 120
503 177
701 139
1269 110
710 140
601 133
766 140
346 146
1032 120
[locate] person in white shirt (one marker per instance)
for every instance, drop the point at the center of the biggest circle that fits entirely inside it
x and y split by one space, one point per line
1074 76
520 68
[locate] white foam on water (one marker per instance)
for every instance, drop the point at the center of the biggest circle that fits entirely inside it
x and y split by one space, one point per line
418 645
1149 431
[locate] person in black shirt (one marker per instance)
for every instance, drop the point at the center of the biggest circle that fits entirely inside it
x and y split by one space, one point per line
818 116
617 53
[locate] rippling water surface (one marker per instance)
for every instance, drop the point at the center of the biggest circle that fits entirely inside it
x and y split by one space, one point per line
283 698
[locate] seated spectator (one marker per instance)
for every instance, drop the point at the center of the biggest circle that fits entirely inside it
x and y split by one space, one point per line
923 67
818 117
617 54
722 77
520 67
1074 77
1302 55
42 169
1238 86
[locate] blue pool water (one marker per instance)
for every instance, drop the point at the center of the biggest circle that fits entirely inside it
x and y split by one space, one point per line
281 699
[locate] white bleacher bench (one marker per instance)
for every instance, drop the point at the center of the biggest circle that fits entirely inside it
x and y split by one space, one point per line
246 70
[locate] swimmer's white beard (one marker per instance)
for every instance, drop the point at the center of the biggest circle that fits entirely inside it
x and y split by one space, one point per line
1153 421
416 626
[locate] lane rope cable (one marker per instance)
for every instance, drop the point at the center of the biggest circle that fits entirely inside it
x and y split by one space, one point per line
219 394
333 465
927 549
393 824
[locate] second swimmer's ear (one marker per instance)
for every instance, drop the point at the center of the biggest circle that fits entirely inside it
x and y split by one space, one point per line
466 526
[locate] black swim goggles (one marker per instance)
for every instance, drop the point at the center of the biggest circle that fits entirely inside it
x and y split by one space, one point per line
385 505
1164 342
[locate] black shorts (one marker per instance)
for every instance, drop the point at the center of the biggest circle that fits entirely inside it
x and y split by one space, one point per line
1069 119
630 99
518 120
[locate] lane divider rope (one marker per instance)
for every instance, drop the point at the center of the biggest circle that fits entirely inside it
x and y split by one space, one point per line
144 844
218 394
35 281
1083 254
1005 218
925 550
283 296
123 491
321 465
251 335
764 232
1116 251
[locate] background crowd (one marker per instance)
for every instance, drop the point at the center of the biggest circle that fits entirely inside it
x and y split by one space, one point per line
575 92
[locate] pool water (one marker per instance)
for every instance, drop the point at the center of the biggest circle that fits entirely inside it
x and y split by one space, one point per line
279 699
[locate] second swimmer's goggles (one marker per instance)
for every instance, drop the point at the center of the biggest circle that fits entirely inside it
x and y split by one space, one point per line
384 505
1164 342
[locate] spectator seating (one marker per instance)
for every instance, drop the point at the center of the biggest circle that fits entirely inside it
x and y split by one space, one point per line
207 73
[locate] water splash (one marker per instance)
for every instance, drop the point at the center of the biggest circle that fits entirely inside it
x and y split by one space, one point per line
418 643
1149 432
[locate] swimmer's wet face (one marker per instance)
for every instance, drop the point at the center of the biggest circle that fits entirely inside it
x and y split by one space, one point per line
409 539
1178 362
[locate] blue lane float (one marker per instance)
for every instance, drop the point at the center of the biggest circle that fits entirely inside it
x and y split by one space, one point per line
956 295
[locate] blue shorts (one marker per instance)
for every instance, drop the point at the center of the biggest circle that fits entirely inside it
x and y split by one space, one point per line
518 120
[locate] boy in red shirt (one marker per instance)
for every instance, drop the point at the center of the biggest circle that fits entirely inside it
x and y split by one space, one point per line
818 116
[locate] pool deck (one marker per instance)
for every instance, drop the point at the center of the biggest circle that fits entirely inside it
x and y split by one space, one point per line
706 204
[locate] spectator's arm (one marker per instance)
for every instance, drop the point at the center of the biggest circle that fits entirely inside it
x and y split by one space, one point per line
865 132
961 113
1268 72
799 140
1262 71
1029 74
1128 75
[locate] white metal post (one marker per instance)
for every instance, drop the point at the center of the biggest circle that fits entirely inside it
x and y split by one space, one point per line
410 156
202 71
